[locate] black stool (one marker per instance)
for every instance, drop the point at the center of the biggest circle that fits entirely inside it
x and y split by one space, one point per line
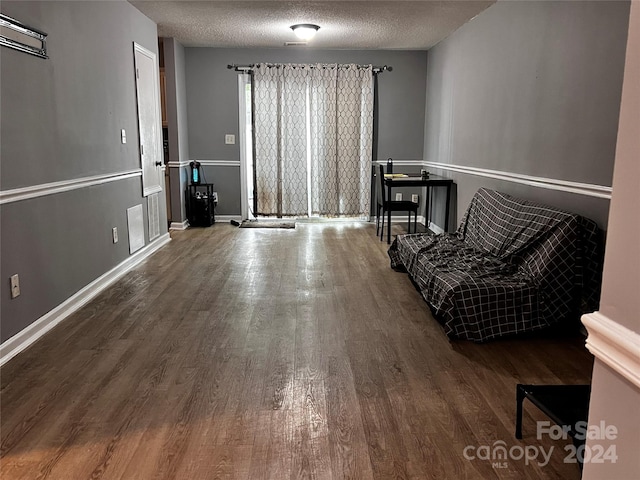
566 405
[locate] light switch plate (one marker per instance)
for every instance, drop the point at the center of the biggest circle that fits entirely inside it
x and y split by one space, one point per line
230 139
15 285
398 197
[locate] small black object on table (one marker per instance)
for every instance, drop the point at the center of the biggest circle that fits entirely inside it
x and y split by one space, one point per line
566 405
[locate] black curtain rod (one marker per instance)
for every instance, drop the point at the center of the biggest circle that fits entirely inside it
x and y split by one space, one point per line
249 68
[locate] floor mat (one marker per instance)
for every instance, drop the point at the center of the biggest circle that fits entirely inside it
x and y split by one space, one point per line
247 224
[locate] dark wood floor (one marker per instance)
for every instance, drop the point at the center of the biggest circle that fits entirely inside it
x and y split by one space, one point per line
249 354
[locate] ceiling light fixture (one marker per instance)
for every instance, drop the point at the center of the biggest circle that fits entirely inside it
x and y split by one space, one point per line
305 31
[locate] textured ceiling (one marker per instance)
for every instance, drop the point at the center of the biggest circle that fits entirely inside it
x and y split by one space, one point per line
343 24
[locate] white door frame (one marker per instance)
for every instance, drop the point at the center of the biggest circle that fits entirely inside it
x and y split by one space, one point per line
147 77
243 80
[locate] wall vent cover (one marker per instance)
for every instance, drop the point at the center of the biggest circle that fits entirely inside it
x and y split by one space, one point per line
153 212
135 223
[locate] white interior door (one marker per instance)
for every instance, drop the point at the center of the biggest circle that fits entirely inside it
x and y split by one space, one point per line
149 122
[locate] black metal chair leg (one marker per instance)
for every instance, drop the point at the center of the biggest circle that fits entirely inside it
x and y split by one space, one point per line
519 400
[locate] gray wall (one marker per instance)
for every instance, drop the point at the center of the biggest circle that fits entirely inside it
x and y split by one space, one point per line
61 120
176 103
531 88
227 184
212 104
174 57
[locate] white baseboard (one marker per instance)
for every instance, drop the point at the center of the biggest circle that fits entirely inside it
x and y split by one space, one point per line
615 345
16 344
421 220
435 228
402 219
179 225
228 218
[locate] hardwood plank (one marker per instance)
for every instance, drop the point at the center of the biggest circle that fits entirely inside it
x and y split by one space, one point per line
248 354
349 452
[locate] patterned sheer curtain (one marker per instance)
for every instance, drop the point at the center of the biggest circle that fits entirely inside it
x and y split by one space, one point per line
341 121
281 140
313 138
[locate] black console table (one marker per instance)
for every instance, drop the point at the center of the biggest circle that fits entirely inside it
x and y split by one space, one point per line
200 205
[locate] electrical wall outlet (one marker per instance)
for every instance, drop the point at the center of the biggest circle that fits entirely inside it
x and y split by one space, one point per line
123 136
114 234
215 197
15 285
230 139
414 198
398 197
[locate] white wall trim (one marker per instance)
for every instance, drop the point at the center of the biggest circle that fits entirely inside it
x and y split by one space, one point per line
418 163
615 345
174 164
179 225
591 190
34 191
16 344
599 191
219 163
206 163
